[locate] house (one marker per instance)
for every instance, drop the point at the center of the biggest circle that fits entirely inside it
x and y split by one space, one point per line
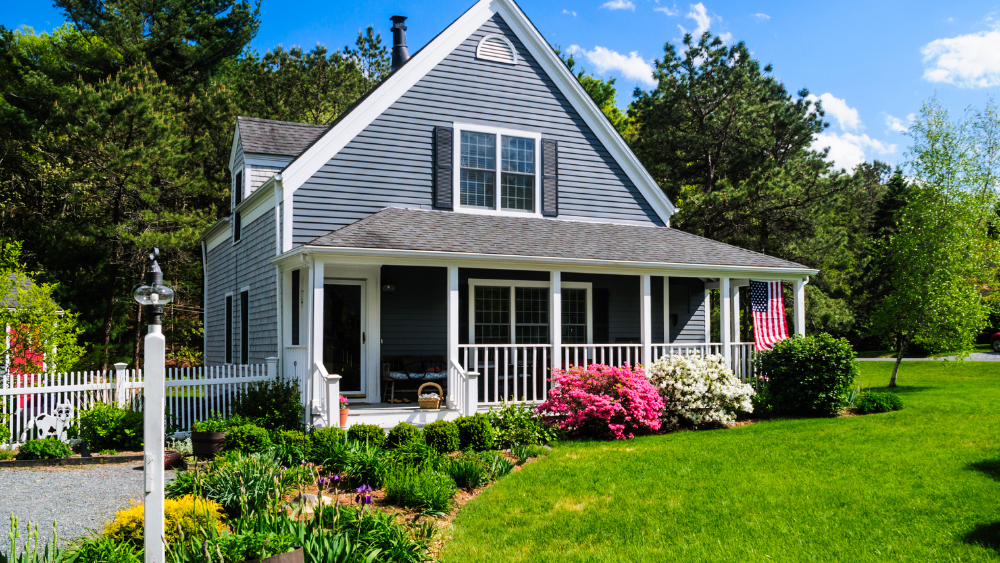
473 221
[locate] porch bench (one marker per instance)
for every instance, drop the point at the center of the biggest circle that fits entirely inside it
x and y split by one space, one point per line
408 373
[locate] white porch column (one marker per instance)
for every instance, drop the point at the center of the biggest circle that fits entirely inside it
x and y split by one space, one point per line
452 397
725 309
555 320
646 324
736 314
800 306
708 316
316 335
666 309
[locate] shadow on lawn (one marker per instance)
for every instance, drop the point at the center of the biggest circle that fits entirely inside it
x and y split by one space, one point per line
901 389
985 535
991 467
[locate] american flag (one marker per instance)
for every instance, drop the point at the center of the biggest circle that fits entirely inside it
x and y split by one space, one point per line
769 324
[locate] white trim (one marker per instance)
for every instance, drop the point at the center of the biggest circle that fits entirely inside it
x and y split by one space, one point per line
220 236
512 284
666 309
457 167
255 210
232 148
266 159
399 83
646 317
510 47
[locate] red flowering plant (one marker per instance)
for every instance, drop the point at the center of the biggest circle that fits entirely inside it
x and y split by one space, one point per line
602 401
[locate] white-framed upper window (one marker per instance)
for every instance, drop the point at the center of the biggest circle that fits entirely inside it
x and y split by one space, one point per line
498 170
517 312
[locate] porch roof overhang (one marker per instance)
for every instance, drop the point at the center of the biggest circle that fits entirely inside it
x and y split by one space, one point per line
422 237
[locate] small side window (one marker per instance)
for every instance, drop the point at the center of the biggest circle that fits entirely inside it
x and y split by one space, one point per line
238 188
237 227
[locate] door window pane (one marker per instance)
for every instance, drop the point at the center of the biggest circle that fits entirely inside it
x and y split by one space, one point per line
492 315
531 315
342 334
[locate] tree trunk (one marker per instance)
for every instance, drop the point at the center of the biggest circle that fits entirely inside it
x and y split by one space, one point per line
109 312
137 337
900 348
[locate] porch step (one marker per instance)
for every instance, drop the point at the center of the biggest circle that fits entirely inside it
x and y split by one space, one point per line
388 416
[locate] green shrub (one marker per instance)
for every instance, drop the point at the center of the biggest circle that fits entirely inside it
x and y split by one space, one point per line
247 439
871 402
328 434
469 471
366 434
274 404
402 433
475 432
366 464
519 424
258 476
442 436
106 426
104 549
810 374
414 488
291 447
46 448
498 465
7 454
417 455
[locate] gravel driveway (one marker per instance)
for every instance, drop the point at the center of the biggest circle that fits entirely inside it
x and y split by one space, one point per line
77 498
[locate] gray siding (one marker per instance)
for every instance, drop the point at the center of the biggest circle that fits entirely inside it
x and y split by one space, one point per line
415 315
230 268
389 163
687 306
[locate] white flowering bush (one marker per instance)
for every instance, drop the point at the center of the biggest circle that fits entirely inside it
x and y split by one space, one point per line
698 390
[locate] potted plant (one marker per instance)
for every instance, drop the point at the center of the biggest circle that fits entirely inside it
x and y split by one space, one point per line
207 436
344 410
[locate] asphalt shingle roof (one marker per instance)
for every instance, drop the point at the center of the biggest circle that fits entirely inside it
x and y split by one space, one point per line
447 231
267 136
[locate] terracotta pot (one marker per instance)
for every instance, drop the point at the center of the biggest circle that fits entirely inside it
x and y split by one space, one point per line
297 556
343 417
171 459
207 444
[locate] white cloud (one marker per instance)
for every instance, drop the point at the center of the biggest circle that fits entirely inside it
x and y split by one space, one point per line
847 150
667 11
631 66
698 13
967 61
761 16
568 12
898 125
846 116
619 5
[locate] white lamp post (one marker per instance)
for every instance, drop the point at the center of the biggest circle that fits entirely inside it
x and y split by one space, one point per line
154 295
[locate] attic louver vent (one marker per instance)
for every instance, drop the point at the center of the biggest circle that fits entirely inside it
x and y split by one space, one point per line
496 48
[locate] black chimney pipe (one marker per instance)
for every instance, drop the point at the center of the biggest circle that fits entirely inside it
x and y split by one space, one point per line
399 52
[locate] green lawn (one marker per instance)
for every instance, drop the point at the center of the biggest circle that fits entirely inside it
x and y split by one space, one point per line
892 354
921 484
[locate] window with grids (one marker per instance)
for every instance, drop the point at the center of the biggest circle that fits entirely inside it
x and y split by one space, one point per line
492 315
574 316
531 315
479 153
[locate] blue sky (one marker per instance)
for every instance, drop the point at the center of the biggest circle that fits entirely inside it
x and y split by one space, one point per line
872 63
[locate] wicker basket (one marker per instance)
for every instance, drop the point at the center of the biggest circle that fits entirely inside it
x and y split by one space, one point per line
429 403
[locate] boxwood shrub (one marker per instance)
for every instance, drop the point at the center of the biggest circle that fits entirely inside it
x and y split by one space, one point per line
475 432
110 427
247 438
402 434
370 434
808 375
442 436
871 402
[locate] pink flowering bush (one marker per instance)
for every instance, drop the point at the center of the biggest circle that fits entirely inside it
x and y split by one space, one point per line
602 401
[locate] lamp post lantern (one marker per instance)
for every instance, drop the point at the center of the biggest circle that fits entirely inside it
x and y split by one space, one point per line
154 295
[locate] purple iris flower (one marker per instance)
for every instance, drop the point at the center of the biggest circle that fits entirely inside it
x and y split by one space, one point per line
363 489
321 482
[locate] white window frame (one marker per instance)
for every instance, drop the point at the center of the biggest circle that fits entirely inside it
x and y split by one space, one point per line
512 285
457 167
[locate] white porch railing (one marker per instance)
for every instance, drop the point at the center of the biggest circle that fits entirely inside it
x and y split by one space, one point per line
53 401
608 354
740 358
508 372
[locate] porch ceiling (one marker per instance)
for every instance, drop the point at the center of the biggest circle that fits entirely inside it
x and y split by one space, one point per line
450 232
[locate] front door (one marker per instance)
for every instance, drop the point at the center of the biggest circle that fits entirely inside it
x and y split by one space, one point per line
344 337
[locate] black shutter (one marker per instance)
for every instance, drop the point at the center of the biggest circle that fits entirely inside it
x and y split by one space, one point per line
229 329
550 177
444 156
245 327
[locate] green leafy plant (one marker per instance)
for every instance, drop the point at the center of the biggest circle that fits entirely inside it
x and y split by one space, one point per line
7 454
103 549
274 404
808 374
519 424
108 426
419 488
442 435
366 434
247 438
214 423
401 434
469 471
417 455
498 465
366 464
256 477
871 402
32 552
523 451
475 432
326 443
4 428
46 448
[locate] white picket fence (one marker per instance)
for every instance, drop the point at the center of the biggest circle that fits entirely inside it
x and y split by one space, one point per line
49 403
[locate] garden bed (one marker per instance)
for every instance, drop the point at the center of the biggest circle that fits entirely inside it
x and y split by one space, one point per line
77 459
